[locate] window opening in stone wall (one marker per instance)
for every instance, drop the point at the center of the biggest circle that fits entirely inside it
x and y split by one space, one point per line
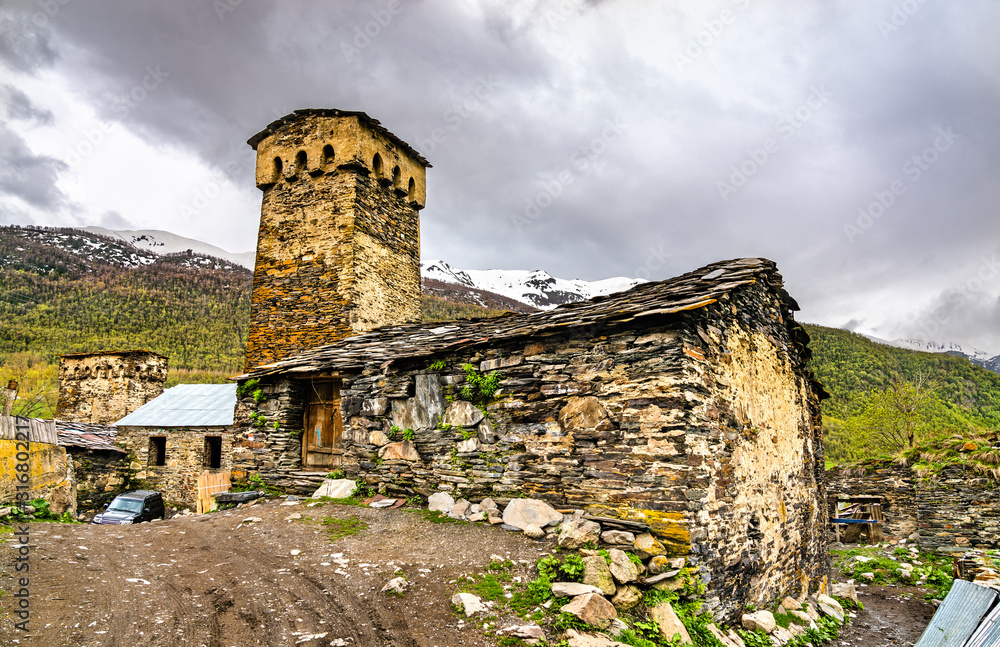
300 161
157 451
213 452
277 167
411 189
397 178
327 154
377 166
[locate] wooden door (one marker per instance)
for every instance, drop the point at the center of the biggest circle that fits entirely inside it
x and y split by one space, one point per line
324 428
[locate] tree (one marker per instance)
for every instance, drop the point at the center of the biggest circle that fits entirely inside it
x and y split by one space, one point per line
892 416
38 384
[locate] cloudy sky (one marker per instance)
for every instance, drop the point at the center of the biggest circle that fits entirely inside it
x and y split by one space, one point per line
857 144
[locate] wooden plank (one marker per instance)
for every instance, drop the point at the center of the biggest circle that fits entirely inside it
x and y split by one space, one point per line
211 483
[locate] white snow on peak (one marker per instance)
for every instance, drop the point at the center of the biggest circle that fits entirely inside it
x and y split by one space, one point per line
935 347
164 242
533 287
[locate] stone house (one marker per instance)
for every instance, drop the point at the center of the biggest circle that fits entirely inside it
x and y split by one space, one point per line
686 404
181 442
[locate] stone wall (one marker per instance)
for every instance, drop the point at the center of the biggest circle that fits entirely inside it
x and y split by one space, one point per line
185 458
959 508
895 484
100 477
103 388
50 476
702 425
338 250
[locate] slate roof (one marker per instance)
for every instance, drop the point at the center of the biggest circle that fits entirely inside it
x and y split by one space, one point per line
689 291
88 435
136 351
187 405
371 122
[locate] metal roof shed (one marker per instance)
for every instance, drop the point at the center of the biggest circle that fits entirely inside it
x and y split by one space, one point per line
187 405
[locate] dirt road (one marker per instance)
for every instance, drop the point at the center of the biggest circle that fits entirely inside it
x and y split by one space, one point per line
215 581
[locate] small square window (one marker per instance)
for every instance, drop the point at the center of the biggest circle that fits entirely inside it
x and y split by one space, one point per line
213 452
157 450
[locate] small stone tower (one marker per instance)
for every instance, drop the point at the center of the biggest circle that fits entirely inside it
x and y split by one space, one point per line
338 252
105 387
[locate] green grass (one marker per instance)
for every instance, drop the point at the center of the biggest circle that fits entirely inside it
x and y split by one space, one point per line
6 530
340 528
932 566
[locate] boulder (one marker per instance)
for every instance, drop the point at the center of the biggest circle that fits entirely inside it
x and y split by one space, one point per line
596 573
6 510
576 533
626 597
467 446
477 516
404 450
470 604
335 488
572 589
534 532
396 585
462 414
618 537
577 639
460 509
592 608
528 632
811 612
522 513
582 413
378 438
659 564
735 638
801 615
646 546
759 621
440 502
670 624
845 590
677 562
622 568
423 411
790 603
782 635
721 637
488 504
486 434
829 607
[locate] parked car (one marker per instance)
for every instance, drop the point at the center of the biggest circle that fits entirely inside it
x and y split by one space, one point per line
132 507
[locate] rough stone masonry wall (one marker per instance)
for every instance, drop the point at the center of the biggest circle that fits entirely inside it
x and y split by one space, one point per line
338 251
958 508
185 458
51 476
99 476
105 387
895 484
703 426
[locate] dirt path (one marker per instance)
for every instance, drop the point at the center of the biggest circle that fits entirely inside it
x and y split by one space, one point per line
209 580
214 581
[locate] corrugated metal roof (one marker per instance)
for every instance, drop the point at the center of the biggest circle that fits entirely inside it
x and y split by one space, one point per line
958 616
988 633
187 405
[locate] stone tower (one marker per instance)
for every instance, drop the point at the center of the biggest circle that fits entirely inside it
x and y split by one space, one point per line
338 252
105 387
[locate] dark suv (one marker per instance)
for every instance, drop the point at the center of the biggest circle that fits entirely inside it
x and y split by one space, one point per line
132 507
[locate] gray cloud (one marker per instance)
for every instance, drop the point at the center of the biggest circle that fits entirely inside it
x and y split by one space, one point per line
19 106
28 176
647 200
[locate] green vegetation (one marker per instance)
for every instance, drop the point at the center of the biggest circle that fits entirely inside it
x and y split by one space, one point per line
437 366
479 389
340 528
881 397
42 513
438 309
935 569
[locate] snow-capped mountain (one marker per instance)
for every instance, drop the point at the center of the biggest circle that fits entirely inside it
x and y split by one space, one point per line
535 288
979 357
164 242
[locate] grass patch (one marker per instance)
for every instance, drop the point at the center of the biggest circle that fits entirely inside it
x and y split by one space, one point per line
340 528
6 530
933 568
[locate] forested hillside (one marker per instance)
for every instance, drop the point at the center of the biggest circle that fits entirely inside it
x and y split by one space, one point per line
961 396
